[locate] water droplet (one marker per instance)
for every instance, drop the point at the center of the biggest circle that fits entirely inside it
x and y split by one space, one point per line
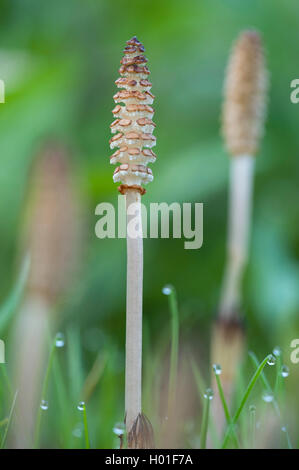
284 429
271 360
81 406
277 351
59 340
217 369
119 429
209 394
44 405
285 371
167 290
252 408
268 397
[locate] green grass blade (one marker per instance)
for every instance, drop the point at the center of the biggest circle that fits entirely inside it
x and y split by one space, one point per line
86 434
264 379
225 407
251 384
201 387
222 398
205 423
44 393
9 420
265 383
252 423
174 353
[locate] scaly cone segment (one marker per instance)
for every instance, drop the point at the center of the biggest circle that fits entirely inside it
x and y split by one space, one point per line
133 125
245 96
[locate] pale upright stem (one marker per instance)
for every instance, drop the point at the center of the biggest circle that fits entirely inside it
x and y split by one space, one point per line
31 336
134 308
240 199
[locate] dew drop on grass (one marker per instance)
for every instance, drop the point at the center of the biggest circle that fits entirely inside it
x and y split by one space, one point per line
271 360
285 371
167 290
209 394
277 351
81 406
119 429
44 405
284 429
59 340
217 369
268 397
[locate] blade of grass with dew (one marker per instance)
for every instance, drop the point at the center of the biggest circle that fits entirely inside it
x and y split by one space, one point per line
252 425
10 306
82 407
225 407
265 382
251 384
174 312
205 419
44 392
9 420
201 387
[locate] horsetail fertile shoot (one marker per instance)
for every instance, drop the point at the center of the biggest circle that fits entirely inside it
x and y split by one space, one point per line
242 127
51 244
132 129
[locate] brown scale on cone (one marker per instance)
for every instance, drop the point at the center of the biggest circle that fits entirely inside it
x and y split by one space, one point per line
245 96
133 126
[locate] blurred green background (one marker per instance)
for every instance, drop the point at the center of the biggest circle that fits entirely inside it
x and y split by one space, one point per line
59 60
